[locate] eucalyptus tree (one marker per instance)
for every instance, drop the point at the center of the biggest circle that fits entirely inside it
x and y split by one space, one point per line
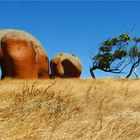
117 55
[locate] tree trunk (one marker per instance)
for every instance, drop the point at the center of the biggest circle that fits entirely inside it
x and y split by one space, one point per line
129 73
92 73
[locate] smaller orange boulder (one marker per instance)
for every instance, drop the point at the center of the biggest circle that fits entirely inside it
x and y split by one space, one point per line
65 65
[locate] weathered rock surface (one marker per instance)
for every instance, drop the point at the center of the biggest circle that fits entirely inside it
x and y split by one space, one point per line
22 56
66 65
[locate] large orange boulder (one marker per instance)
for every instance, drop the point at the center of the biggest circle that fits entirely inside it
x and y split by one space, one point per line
43 64
65 65
22 56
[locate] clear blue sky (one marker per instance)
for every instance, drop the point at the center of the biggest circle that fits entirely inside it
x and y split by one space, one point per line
73 27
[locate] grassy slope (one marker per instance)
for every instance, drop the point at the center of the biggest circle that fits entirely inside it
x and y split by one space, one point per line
70 109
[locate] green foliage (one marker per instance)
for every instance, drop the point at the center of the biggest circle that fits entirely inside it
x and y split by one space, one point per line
105 48
119 54
115 40
137 39
108 44
134 52
104 60
125 37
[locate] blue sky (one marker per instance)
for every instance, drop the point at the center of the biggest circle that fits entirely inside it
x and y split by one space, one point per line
73 27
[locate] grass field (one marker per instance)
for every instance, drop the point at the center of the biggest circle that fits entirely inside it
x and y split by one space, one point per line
70 109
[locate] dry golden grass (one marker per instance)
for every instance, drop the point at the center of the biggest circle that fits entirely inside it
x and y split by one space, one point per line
70 109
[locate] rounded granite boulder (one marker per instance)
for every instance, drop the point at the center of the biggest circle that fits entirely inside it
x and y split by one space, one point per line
22 55
65 65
